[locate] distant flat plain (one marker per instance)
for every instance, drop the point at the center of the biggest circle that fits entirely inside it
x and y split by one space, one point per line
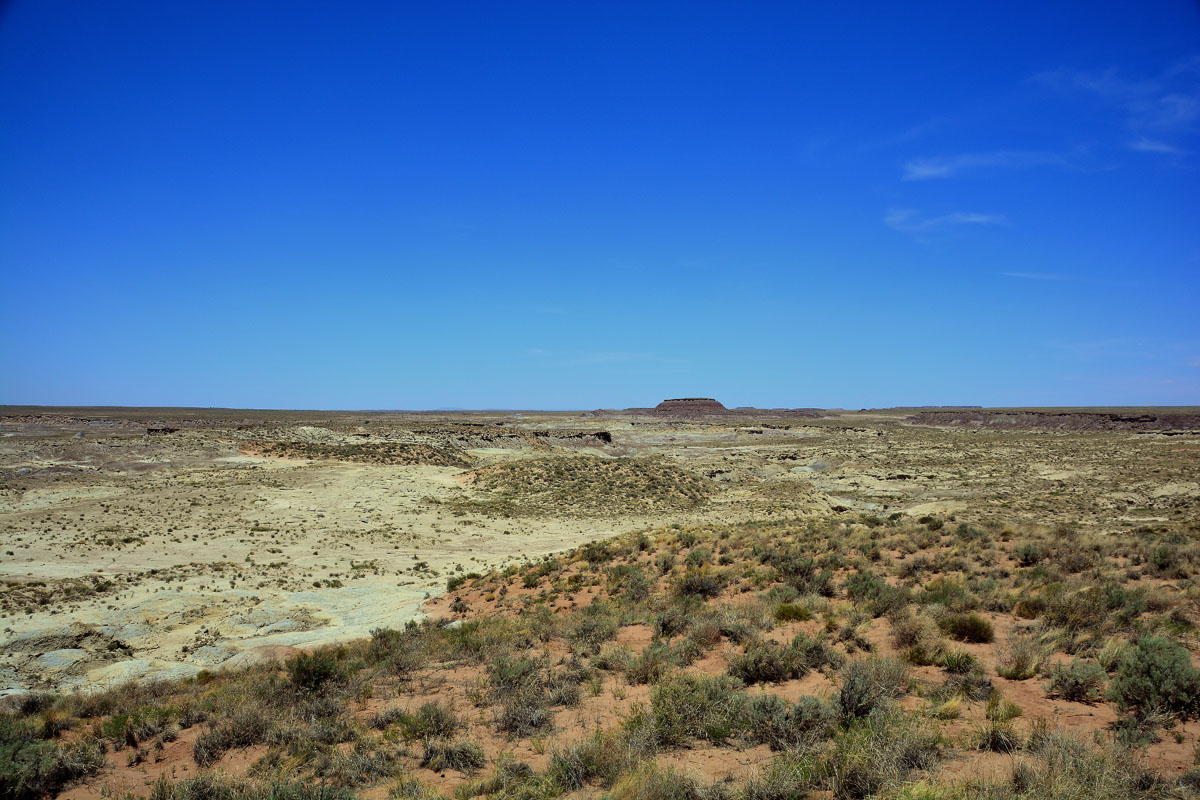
162 541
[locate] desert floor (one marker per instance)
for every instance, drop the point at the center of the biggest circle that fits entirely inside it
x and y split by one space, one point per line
163 542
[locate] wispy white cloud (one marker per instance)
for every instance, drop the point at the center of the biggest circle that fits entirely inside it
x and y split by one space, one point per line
911 221
1156 108
1145 145
929 167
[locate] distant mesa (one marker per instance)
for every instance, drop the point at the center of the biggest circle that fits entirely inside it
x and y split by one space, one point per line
681 406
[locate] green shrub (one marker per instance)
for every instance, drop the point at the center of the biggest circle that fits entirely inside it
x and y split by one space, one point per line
629 582
612 658
524 711
1156 676
652 782
781 725
311 672
687 707
1028 554
789 776
655 661
603 757
880 752
1000 709
949 592
456 581
247 727
1059 766
31 767
815 653
431 720
507 674
875 593
698 557
792 612
363 764
768 662
592 628
1163 558
395 651
868 683
676 618
700 582
216 786
1081 682
408 788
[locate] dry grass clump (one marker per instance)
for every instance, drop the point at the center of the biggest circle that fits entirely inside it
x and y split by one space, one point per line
1021 657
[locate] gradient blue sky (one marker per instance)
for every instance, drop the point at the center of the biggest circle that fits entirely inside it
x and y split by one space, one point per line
572 205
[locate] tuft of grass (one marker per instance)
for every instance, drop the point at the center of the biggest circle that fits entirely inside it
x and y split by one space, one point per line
792 612
652 782
791 775
687 707
875 755
1020 658
245 728
460 755
650 665
868 684
430 720
968 628
1000 709
994 735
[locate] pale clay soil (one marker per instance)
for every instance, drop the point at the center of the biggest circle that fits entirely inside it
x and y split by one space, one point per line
219 559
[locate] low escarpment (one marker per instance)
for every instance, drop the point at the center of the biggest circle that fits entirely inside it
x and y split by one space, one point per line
588 485
388 453
1157 421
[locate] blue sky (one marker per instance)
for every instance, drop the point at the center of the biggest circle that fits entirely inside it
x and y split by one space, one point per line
573 205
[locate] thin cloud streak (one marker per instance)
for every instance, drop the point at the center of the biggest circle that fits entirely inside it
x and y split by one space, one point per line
1144 145
932 167
1156 109
909 220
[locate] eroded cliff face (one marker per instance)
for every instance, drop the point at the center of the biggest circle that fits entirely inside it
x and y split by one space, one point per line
684 406
1062 420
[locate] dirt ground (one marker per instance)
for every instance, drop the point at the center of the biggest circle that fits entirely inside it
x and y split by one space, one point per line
161 542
